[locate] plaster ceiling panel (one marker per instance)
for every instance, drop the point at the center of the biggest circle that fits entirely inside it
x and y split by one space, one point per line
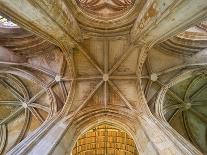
115 99
59 94
168 114
161 60
83 65
116 49
5 94
129 90
33 87
198 92
164 78
181 87
164 4
36 76
82 91
51 60
14 129
202 110
199 57
5 111
43 113
169 101
44 100
129 65
96 100
34 124
197 130
95 48
154 89
178 125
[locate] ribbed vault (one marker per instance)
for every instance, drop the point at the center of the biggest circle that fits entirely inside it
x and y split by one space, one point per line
79 62
176 86
31 91
185 109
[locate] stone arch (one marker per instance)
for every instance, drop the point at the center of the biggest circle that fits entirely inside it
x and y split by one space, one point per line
135 131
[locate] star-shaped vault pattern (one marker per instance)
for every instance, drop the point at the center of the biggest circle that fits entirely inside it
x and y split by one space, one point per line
106 75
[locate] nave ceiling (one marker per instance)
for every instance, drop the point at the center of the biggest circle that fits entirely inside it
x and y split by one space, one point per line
119 59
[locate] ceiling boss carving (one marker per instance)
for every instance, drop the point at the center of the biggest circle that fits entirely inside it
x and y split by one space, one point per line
105 8
186 111
83 63
103 79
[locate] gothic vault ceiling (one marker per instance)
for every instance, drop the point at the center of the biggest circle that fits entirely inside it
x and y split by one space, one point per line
111 59
185 109
30 94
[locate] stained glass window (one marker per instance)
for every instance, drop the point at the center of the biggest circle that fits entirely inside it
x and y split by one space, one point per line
6 22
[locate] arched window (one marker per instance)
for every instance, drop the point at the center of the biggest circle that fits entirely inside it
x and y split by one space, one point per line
105 139
5 22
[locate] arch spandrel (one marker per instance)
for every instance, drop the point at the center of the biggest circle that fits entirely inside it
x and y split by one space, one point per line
96 71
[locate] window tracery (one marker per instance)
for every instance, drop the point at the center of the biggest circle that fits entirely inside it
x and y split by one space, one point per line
105 139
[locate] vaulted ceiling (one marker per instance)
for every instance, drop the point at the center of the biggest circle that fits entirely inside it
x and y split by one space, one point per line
116 58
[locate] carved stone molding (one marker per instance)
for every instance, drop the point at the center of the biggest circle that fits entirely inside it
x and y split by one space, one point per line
106 9
104 69
92 25
160 20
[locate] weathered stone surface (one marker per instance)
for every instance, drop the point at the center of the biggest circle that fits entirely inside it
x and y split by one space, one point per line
85 63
